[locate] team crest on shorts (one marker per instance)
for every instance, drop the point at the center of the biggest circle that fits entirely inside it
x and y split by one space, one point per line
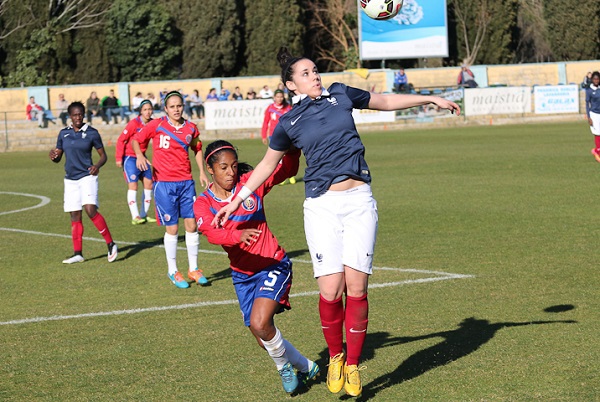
188 139
249 204
132 177
167 217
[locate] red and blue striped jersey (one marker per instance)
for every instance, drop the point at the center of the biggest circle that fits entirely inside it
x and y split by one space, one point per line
124 147
266 251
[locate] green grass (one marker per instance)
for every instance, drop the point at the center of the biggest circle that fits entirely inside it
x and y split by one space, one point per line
515 207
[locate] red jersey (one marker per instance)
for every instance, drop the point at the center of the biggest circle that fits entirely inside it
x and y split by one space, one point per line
266 251
170 145
124 147
272 115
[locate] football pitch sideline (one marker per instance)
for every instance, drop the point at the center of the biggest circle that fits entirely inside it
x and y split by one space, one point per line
484 287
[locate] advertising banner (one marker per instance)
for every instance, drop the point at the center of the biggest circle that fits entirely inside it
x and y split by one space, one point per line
556 99
228 115
419 30
498 100
362 116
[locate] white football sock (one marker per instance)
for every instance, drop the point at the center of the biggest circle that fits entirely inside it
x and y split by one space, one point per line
276 349
170 242
192 241
299 362
147 199
131 201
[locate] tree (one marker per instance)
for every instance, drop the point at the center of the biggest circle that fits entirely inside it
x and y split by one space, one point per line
333 30
142 42
269 25
473 18
533 44
212 36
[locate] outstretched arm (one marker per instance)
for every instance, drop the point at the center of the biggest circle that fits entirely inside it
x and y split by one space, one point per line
401 101
262 172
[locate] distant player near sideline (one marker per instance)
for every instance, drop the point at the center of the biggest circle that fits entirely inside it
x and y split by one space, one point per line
340 213
126 159
81 179
592 110
174 192
261 270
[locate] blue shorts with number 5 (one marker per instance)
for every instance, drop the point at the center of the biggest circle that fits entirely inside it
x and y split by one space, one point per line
273 283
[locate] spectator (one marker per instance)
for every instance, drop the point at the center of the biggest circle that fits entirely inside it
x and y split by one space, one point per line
93 107
587 80
111 106
212 95
35 112
401 82
61 107
224 94
251 94
152 98
237 95
466 78
265 92
136 101
195 102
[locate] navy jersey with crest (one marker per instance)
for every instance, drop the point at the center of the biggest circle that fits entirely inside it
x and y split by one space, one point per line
77 148
324 130
266 251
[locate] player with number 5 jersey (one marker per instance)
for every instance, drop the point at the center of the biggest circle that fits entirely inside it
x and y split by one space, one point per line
174 192
261 270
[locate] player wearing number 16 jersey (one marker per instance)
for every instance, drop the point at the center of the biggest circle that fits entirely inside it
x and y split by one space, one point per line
262 272
174 193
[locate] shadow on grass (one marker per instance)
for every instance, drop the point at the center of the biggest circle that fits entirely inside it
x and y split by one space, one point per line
470 335
129 250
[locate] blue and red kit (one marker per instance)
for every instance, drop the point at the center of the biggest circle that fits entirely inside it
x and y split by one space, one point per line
124 147
272 115
170 146
266 251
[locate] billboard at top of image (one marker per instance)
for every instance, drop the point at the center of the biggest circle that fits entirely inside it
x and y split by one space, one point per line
419 30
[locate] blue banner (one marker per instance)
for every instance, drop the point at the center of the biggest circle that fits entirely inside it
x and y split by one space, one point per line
419 30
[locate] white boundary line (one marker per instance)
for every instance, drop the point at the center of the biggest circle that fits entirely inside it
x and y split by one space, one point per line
439 276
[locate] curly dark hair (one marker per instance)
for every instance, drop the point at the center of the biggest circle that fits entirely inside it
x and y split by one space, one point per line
215 148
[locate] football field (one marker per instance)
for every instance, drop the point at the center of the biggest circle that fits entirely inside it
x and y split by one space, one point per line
485 285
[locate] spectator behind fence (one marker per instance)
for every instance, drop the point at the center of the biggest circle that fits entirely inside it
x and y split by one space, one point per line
195 104
152 98
237 95
136 101
224 94
35 112
251 94
265 92
587 80
111 106
466 78
62 106
212 95
93 107
401 81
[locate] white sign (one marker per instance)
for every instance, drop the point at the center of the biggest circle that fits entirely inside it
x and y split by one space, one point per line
362 116
556 99
228 115
500 100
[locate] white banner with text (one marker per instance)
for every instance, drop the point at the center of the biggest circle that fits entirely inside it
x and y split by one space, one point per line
497 100
556 99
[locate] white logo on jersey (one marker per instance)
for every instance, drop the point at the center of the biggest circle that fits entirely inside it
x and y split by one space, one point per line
295 120
333 101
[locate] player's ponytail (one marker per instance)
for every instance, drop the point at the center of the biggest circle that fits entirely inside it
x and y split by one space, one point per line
286 61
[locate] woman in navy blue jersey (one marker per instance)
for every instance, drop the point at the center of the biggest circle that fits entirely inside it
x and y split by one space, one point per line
340 214
592 111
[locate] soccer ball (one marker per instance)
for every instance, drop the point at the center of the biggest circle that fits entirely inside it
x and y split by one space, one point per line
381 9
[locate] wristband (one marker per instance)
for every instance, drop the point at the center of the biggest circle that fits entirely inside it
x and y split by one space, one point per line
244 193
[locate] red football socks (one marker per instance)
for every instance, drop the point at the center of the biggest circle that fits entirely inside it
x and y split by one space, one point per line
77 236
357 318
100 223
332 321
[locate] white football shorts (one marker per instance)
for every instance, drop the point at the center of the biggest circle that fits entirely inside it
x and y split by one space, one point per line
341 227
80 192
595 127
